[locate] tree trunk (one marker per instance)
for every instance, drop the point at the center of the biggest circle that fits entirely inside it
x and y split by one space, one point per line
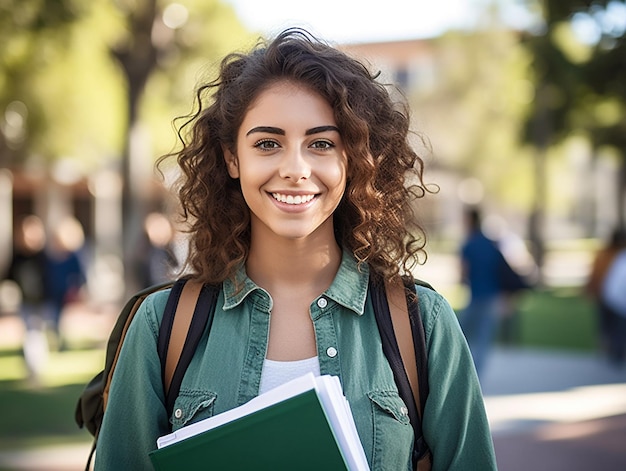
541 132
138 59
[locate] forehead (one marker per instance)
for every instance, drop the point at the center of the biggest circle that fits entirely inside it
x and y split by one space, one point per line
289 103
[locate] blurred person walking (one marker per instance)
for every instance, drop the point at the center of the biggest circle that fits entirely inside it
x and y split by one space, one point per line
64 274
607 319
492 285
155 260
27 271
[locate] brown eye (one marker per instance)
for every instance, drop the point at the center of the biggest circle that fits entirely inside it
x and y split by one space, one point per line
266 144
322 145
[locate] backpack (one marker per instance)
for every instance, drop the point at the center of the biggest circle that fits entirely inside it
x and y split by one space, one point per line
190 308
511 281
614 285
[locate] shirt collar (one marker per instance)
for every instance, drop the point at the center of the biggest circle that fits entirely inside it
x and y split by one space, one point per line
349 288
239 289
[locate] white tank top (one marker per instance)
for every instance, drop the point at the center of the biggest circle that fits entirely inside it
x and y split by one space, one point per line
276 373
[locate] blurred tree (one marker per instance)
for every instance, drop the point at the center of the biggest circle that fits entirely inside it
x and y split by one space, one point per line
74 76
556 81
582 93
164 37
605 75
33 34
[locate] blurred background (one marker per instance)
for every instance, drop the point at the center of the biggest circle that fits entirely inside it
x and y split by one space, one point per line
518 107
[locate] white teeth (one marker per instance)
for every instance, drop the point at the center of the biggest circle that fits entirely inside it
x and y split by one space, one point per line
290 199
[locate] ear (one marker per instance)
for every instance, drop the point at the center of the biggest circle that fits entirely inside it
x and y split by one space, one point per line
232 164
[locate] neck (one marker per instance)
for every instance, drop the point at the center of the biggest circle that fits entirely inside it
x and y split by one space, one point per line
310 264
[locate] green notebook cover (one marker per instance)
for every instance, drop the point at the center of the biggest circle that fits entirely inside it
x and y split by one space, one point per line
293 434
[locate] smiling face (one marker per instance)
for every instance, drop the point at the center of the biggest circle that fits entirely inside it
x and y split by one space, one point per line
291 163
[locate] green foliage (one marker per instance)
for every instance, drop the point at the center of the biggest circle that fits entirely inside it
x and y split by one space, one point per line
33 35
57 71
37 16
211 31
82 98
575 86
580 82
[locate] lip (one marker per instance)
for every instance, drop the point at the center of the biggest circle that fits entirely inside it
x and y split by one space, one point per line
293 208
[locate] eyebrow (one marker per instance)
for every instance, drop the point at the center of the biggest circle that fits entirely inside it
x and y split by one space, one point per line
268 129
321 129
308 132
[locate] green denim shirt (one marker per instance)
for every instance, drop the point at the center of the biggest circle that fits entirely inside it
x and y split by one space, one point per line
226 372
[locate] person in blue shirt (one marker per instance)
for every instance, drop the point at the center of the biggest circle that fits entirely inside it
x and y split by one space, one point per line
480 270
64 272
297 183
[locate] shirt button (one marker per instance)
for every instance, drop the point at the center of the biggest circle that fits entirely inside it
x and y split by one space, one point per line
322 303
178 413
331 352
404 411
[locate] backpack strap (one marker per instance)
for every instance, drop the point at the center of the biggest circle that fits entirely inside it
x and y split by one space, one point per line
419 339
180 324
114 346
402 330
92 402
411 338
189 310
404 345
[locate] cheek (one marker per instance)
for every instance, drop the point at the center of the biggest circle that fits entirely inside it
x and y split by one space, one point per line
254 175
336 181
338 176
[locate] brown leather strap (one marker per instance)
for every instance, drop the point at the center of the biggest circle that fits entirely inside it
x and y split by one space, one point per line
180 328
107 385
402 328
399 312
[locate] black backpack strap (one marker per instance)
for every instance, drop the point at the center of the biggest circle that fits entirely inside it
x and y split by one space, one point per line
419 337
203 299
165 330
391 351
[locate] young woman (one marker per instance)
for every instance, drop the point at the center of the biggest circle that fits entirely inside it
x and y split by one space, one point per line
294 173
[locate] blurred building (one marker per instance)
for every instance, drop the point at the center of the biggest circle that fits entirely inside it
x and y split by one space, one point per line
94 200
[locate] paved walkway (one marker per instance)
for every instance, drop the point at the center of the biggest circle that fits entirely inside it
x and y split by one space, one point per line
556 411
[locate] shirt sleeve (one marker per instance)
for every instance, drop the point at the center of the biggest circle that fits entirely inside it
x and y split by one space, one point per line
455 422
135 415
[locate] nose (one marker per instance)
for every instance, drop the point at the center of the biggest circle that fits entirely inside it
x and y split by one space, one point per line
294 166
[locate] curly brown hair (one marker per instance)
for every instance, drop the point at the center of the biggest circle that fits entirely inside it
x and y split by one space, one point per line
374 220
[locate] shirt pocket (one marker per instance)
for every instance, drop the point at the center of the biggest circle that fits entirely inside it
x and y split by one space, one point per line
191 406
392 437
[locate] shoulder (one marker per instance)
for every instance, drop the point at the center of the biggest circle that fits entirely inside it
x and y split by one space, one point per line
150 309
157 299
436 312
431 302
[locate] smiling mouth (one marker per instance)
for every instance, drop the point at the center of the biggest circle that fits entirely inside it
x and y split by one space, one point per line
291 199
